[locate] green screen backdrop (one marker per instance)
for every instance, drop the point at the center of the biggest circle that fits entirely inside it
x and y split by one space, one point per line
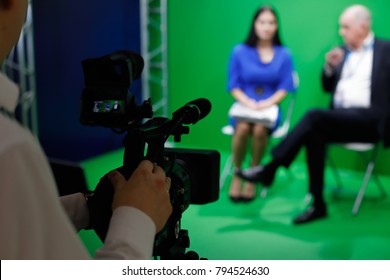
202 33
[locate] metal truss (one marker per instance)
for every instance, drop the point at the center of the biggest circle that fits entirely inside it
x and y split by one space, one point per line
154 50
20 68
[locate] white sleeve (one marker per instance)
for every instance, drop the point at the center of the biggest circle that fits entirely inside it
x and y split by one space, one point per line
33 223
130 236
77 210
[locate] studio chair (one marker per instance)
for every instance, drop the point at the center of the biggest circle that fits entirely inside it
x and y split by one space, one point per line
227 167
279 133
368 153
284 128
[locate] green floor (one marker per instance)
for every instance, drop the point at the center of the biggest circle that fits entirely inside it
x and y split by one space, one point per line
262 229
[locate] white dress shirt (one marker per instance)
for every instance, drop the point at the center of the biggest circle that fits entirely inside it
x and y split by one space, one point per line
33 222
354 87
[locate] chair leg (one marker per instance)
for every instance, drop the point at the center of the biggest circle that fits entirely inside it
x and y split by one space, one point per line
362 190
226 171
369 172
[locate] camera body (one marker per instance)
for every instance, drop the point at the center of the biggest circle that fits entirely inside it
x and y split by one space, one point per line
106 101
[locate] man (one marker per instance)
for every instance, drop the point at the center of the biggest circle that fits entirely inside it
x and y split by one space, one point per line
358 76
33 223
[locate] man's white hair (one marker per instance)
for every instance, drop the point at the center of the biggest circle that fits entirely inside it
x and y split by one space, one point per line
361 14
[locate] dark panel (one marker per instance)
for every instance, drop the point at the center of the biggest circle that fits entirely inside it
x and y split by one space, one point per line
66 32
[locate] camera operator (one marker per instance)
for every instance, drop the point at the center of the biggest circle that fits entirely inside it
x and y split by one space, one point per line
33 223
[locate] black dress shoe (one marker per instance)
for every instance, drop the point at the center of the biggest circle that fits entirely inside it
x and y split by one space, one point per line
257 174
235 199
311 214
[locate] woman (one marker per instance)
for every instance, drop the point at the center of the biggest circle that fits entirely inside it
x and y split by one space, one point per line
260 76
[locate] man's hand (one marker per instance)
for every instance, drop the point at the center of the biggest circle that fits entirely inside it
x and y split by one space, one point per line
147 190
334 57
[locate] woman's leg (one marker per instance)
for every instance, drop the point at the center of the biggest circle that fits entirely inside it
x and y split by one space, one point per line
259 144
239 146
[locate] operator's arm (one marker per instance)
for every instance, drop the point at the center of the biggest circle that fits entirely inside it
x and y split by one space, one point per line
130 236
33 223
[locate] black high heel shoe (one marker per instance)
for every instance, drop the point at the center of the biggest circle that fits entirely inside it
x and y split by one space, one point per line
247 199
257 174
235 199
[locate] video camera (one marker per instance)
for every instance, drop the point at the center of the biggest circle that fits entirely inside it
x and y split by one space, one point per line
106 101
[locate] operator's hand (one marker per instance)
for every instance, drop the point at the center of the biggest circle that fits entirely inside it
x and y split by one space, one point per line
147 190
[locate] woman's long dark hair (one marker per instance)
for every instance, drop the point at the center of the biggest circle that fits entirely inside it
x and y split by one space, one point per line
252 38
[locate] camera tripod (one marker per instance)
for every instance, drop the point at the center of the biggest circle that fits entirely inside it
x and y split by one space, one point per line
177 251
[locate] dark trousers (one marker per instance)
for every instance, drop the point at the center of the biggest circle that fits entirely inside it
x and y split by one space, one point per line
320 127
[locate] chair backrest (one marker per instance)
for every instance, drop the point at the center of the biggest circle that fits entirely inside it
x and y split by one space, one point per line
359 147
283 129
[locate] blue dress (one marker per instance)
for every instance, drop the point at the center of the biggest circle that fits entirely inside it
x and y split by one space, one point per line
259 80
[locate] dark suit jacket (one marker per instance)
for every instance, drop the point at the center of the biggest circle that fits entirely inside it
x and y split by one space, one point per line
380 86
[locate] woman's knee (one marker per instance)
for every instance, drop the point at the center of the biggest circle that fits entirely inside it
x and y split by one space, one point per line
243 128
260 132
